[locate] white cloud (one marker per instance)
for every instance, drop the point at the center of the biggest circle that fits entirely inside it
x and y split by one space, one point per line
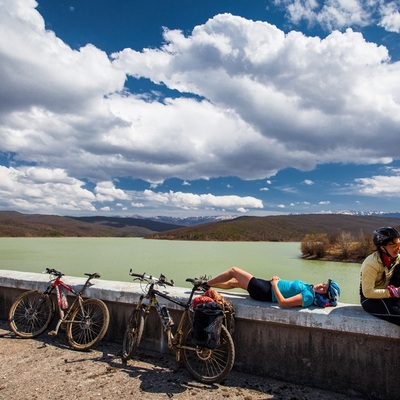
308 182
272 108
195 201
43 190
391 17
106 191
379 185
261 100
36 189
341 14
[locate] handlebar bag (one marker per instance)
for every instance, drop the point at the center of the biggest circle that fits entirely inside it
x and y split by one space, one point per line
207 323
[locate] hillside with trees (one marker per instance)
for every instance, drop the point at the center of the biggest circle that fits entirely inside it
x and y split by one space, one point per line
279 228
14 224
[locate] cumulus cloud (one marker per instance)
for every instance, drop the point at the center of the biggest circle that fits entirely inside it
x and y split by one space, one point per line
43 190
391 17
255 100
379 185
292 97
106 191
340 14
193 201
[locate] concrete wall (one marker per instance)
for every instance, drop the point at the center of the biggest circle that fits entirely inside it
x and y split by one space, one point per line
342 349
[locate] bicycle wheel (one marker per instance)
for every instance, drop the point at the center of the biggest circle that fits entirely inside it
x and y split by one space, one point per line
88 325
133 333
31 314
206 365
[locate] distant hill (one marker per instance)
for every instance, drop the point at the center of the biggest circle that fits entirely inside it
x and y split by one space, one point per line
277 228
286 228
14 224
129 224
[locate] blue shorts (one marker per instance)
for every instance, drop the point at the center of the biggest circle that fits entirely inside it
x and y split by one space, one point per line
260 289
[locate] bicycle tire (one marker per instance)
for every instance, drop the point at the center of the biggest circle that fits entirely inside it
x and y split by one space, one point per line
88 327
133 333
206 365
30 314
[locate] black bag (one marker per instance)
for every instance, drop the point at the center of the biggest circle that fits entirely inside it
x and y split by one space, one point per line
207 324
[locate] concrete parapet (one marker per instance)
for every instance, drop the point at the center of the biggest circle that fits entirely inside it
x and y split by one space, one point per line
342 349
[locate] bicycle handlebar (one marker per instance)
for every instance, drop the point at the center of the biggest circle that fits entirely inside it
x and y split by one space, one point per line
52 271
198 283
58 274
162 280
93 276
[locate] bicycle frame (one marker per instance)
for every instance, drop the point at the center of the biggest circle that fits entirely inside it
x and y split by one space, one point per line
204 363
55 285
151 296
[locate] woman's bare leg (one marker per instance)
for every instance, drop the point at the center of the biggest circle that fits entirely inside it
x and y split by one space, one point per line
230 279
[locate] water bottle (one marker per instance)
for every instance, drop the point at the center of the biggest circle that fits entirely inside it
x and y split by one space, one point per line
166 317
64 301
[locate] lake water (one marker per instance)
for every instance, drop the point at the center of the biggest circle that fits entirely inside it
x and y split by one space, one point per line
178 260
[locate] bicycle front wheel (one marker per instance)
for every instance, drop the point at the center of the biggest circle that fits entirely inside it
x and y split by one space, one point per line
88 325
30 314
133 333
209 365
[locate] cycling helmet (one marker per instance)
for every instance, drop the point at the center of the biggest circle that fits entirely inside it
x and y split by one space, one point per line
333 290
382 236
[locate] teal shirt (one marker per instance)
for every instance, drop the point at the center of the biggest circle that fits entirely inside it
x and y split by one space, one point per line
291 288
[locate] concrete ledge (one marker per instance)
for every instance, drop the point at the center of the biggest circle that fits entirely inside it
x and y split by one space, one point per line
341 348
343 318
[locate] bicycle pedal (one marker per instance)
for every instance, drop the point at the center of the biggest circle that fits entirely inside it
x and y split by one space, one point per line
52 333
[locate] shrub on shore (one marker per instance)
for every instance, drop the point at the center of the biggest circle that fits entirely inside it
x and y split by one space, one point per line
341 246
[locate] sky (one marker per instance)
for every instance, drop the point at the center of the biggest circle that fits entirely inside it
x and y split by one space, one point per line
189 108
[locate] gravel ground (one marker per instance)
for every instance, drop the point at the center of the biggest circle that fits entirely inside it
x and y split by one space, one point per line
48 368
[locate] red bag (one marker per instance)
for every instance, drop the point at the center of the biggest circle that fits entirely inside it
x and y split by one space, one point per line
201 300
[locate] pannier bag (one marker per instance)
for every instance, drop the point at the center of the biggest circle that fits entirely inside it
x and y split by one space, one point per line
226 305
207 323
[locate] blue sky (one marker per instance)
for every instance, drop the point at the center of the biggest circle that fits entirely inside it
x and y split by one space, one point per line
190 108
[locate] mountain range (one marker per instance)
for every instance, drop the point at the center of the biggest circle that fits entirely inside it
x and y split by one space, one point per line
269 228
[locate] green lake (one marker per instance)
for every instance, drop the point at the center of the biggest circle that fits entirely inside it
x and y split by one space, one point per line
178 260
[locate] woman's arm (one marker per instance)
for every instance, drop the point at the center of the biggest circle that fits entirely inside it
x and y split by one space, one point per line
371 273
373 280
294 301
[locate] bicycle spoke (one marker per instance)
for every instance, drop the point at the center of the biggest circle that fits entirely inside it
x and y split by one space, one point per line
30 314
208 365
88 324
133 333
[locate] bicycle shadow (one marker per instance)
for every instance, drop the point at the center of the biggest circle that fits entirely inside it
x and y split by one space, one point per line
149 369
158 373
154 373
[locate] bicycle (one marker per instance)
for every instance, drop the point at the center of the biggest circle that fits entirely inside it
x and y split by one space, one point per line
86 321
204 364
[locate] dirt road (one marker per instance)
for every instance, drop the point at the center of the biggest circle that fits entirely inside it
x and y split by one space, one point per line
47 368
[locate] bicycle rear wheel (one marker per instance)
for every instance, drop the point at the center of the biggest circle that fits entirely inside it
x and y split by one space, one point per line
30 314
207 365
88 325
133 333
